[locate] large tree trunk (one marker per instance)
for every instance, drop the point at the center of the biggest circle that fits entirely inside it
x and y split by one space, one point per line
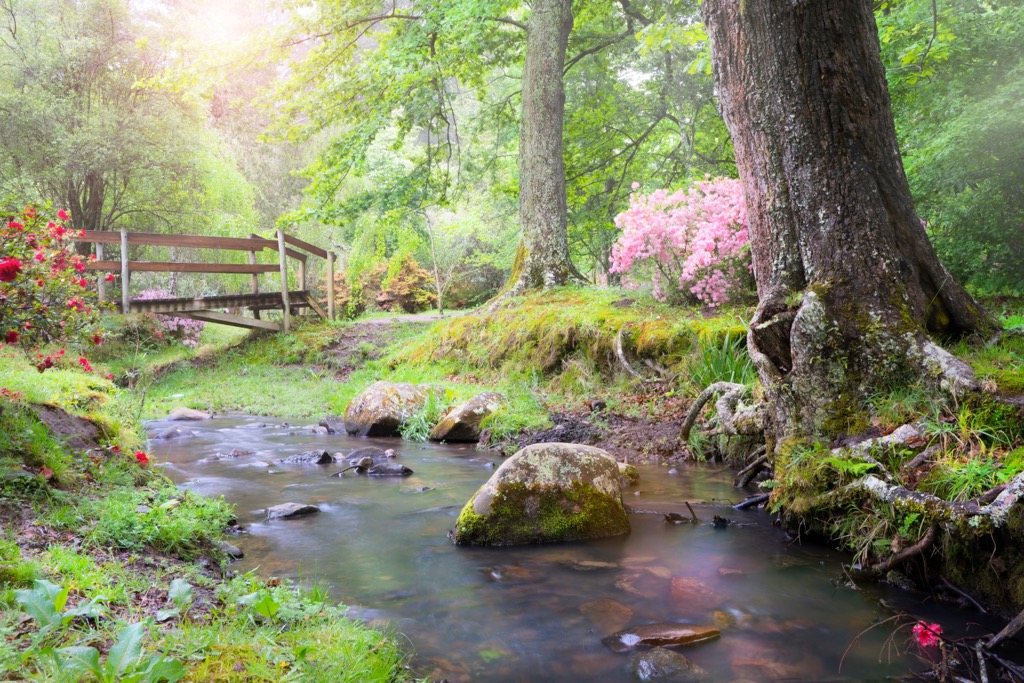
850 288
543 208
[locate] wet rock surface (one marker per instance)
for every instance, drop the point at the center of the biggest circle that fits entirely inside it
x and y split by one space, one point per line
546 493
652 635
188 415
462 423
383 408
660 664
315 457
291 510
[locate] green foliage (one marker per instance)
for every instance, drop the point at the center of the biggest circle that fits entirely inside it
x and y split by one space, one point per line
722 360
958 96
417 426
176 523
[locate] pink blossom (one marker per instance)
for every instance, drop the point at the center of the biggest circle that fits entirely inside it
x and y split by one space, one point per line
927 635
689 243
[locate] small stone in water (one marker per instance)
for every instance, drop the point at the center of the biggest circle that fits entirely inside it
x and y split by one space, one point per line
659 664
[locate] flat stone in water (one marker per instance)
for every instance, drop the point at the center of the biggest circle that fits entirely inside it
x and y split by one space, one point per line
651 635
659 664
317 457
188 415
289 510
173 433
389 469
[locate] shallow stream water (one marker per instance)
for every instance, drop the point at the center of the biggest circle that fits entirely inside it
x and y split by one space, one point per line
539 613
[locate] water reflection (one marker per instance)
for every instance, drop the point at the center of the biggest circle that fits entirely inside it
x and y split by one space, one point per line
534 613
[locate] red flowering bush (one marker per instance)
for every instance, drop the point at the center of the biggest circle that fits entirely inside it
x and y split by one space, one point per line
44 295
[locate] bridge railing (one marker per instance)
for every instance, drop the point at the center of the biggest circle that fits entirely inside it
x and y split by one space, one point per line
199 308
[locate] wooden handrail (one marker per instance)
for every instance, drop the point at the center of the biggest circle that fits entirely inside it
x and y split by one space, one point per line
172 267
251 244
311 248
155 239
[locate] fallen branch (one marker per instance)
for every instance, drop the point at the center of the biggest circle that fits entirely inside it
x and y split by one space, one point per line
964 595
1009 631
918 548
744 476
752 501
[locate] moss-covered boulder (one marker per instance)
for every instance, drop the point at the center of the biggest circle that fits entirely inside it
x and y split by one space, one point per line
462 423
546 493
383 408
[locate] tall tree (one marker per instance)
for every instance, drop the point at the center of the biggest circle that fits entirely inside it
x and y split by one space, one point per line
543 207
850 289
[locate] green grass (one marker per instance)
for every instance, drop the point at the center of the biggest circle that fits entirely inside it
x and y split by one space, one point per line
121 534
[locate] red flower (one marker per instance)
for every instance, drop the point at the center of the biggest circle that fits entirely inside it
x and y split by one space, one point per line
79 266
109 277
9 268
57 231
40 283
30 212
141 458
62 214
97 338
110 376
39 256
15 225
927 635
85 364
11 337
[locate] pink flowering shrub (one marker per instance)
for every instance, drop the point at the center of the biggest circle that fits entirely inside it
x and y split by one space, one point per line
186 330
690 244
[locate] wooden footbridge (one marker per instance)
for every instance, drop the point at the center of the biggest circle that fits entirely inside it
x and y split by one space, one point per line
211 308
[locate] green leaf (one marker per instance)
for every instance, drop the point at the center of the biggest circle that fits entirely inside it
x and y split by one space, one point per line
163 615
61 599
180 593
266 606
78 658
39 605
126 651
169 670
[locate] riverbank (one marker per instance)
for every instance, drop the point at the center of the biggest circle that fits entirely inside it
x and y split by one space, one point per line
104 560
602 367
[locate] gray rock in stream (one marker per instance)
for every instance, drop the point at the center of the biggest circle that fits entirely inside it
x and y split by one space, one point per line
388 469
659 664
188 415
317 457
375 454
173 433
290 510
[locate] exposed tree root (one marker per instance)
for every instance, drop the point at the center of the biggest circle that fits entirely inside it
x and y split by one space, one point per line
734 418
752 501
1009 631
899 558
666 376
747 474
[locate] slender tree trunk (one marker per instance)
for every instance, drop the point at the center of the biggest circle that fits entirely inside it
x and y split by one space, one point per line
850 288
543 208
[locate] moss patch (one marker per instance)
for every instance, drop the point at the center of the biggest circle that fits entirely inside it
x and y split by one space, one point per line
524 514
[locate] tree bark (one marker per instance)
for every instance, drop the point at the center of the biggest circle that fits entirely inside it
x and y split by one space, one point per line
543 208
850 289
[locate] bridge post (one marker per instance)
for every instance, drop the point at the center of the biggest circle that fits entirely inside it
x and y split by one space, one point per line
330 285
284 278
254 281
125 275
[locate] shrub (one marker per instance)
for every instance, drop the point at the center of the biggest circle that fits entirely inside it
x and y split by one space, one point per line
408 288
690 244
185 330
44 295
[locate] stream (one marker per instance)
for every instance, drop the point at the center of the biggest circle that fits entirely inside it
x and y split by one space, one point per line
538 613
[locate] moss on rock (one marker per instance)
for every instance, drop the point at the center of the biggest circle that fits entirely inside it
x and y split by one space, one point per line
546 493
